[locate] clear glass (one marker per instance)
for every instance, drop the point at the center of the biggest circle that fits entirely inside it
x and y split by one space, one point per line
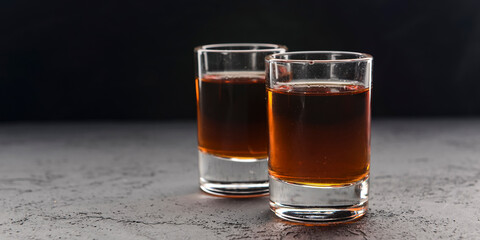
231 117
319 135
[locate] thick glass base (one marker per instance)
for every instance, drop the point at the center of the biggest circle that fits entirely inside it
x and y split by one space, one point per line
321 205
231 177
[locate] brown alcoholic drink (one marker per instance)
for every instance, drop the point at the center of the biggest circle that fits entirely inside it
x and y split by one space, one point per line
232 120
319 134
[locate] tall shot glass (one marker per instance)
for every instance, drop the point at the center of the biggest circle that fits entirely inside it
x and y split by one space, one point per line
231 117
319 135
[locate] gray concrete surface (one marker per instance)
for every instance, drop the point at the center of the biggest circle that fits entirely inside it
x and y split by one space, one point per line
139 181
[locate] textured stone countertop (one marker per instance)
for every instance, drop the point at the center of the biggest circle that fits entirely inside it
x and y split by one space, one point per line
139 181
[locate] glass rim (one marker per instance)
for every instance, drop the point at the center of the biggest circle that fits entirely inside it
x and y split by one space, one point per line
363 57
269 47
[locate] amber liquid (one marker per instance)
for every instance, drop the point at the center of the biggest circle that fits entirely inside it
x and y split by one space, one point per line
231 115
319 135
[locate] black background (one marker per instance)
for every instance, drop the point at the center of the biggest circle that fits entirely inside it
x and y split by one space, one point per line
104 60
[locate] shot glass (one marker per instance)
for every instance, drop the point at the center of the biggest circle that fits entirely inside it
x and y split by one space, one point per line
231 118
319 135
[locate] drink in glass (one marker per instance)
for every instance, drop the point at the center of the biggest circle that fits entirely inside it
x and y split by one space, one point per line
231 117
319 135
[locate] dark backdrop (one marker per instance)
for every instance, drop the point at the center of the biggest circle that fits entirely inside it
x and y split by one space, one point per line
87 60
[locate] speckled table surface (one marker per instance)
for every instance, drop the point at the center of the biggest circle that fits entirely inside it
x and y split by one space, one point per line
139 181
